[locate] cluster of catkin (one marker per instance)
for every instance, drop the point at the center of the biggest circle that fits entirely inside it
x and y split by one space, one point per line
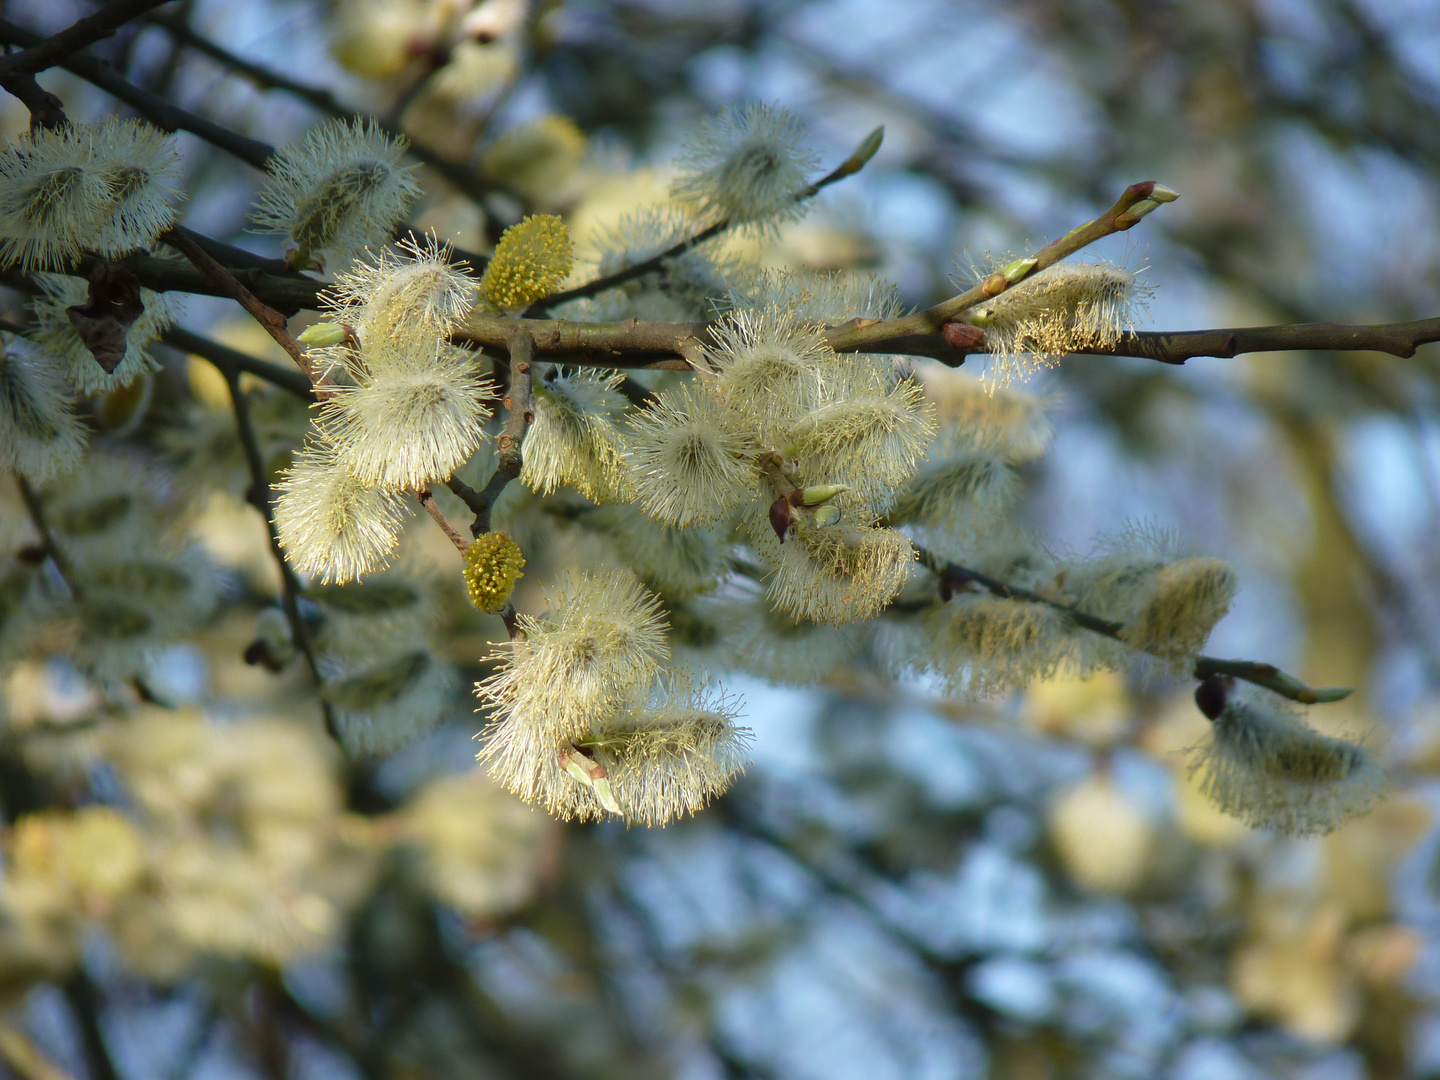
775 459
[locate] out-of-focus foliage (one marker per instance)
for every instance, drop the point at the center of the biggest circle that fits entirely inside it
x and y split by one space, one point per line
901 886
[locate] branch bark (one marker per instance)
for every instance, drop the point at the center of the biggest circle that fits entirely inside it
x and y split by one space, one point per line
273 322
1203 667
260 499
154 107
849 167
52 50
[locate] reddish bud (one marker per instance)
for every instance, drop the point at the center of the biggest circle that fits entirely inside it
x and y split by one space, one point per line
994 285
952 581
1142 190
1212 694
796 497
780 517
963 337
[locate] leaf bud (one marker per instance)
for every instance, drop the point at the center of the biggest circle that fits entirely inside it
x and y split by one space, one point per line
963 336
322 335
1018 269
821 494
828 514
1212 694
781 517
867 149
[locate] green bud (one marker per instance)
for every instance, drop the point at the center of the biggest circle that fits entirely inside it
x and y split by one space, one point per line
1143 207
821 493
593 775
321 335
1018 269
828 514
864 152
601 784
1163 194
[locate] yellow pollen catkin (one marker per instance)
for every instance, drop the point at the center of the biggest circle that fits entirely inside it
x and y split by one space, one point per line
492 566
533 257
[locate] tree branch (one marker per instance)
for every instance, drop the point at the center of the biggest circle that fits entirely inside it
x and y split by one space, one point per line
849 167
519 404
470 182
52 50
857 336
260 499
1269 676
273 322
427 500
154 107
48 543
222 356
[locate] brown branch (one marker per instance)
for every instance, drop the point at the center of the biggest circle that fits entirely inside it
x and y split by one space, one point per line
286 292
85 1001
48 543
273 322
953 575
519 403
188 341
468 181
427 500
260 499
1175 347
849 167
53 49
857 336
46 109
155 108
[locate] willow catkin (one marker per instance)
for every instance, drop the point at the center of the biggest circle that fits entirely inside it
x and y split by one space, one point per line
1266 766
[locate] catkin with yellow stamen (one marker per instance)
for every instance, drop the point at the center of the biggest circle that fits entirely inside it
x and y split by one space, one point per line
533 257
493 563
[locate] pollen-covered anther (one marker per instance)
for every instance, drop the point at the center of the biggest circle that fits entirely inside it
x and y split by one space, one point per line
493 563
532 260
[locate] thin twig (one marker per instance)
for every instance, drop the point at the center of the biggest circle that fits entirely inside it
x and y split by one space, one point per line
85 1002
519 402
222 355
48 542
470 182
273 322
260 499
849 167
427 500
155 108
863 335
1267 675
53 49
